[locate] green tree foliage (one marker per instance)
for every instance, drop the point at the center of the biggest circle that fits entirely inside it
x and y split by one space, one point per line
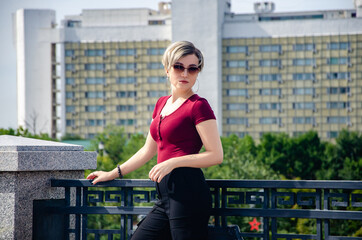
298 157
344 159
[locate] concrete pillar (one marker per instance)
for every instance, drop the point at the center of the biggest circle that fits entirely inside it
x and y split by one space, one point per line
26 167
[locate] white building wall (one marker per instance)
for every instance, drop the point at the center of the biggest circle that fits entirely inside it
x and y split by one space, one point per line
291 28
34 69
201 23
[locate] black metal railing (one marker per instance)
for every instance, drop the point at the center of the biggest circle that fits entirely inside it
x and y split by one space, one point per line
269 201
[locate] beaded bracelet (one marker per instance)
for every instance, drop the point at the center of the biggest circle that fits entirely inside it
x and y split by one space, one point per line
119 172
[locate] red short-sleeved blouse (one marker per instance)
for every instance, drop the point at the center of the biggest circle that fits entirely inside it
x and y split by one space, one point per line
176 134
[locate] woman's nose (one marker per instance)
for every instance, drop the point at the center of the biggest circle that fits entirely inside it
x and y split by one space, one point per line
185 72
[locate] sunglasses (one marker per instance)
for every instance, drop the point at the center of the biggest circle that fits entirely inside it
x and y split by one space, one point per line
180 69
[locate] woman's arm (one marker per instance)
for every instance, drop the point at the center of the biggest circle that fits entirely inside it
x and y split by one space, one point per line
141 157
212 156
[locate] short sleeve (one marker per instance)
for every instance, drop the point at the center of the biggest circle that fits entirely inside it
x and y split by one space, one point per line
202 111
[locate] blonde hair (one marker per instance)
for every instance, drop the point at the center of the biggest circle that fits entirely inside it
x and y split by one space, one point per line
178 50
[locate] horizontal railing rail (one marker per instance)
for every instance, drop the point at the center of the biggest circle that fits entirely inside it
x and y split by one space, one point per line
269 200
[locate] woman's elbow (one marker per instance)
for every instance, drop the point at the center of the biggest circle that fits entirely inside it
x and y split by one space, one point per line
219 157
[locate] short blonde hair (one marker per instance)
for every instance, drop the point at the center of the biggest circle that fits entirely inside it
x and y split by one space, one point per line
179 50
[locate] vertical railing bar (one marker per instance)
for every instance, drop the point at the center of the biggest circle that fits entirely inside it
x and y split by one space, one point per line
223 206
77 216
67 218
274 227
326 207
217 206
318 203
129 216
266 219
123 203
85 216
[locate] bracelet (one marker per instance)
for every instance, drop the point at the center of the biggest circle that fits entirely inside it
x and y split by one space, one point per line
119 172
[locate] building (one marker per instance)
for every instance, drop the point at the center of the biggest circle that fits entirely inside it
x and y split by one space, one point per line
265 72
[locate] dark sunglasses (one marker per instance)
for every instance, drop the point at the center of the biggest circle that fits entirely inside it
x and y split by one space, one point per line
191 70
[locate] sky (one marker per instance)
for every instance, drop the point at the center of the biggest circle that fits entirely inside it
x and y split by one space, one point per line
8 105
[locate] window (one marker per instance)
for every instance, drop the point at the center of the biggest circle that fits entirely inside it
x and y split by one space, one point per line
303 76
126 52
238 121
237 106
270 77
304 105
270 91
336 60
156 93
270 120
95 122
338 45
126 122
126 94
270 63
94 52
270 106
155 65
95 108
237 49
70 109
126 80
303 120
69 53
96 94
126 108
338 90
338 120
237 64
303 91
156 51
70 122
304 47
94 66
270 48
303 62
69 94
237 92
69 81
156 80
337 105
338 75
126 66
150 107
95 80
332 134
69 67
237 78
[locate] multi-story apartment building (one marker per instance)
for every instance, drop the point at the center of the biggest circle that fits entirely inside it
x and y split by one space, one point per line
264 72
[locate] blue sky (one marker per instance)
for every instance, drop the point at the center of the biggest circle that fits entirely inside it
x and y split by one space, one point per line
8 115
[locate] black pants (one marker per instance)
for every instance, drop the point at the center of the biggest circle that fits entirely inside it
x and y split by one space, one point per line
183 209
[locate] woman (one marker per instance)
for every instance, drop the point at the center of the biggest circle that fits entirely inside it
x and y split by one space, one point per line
182 123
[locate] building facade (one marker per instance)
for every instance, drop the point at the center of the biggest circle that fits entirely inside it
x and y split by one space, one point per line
264 72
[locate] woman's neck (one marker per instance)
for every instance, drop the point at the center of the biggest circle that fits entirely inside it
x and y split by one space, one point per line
181 95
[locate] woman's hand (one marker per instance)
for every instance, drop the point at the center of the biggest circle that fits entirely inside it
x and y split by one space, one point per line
159 171
100 176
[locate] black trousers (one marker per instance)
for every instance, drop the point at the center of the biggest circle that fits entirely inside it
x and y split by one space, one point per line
182 211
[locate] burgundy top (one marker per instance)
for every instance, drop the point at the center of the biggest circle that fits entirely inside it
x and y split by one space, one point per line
176 133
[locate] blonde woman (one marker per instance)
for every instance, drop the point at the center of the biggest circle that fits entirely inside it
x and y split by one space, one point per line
182 123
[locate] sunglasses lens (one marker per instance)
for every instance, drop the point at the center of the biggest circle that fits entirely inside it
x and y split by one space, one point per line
179 68
193 70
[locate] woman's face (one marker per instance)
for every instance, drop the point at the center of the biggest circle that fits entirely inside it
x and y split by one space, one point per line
183 73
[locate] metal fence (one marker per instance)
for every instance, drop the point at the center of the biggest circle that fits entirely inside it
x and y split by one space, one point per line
268 202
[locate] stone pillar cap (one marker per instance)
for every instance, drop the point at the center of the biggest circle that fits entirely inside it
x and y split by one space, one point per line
27 154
